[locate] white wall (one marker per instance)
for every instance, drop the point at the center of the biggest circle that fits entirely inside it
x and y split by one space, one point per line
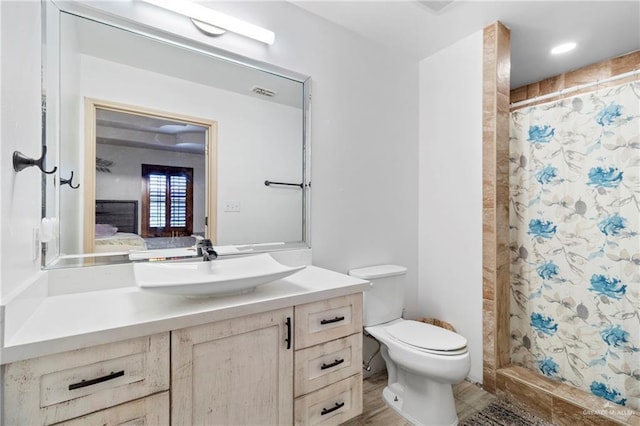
450 210
20 196
364 133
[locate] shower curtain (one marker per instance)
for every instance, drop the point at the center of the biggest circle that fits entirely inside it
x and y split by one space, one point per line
575 241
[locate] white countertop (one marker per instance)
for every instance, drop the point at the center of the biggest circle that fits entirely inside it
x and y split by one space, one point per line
72 321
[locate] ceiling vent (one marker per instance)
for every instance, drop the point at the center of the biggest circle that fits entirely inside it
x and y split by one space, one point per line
435 5
264 92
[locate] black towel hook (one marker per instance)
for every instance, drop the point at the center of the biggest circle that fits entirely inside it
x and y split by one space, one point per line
21 162
69 182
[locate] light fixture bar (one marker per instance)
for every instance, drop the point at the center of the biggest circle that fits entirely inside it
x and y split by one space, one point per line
208 29
217 19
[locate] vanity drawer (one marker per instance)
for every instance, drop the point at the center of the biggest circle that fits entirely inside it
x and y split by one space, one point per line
326 320
331 405
151 410
63 386
321 365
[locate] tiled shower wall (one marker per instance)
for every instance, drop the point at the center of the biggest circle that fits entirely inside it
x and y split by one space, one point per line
553 401
495 200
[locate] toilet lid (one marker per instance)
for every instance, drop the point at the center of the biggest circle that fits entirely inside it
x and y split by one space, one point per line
426 336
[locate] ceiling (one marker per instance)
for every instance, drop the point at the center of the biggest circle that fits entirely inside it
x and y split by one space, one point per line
602 29
139 130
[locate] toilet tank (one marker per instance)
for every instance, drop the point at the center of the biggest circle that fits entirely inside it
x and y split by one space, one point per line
384 300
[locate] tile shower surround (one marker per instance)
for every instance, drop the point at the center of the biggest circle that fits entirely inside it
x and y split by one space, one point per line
553 401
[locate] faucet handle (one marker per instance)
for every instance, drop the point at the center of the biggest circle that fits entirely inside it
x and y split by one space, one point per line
206 250
209 253
203 243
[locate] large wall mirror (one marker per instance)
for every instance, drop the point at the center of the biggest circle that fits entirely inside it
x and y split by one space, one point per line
166 143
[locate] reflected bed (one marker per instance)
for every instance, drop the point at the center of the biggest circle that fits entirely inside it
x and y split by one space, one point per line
117 227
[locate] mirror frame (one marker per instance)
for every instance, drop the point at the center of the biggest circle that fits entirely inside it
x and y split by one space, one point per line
181 41
90 126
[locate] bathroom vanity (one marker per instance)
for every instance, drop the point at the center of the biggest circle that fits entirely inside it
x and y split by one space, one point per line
289 352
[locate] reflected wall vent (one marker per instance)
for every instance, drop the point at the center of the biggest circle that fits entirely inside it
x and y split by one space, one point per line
435 5
264 92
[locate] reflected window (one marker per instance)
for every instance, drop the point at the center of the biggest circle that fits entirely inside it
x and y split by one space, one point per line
167 206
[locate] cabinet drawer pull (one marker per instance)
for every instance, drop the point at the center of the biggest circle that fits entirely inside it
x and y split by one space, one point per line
288 339
329 321
338 406
333 364
85 383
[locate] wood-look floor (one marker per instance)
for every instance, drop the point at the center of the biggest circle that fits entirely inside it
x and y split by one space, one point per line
469 399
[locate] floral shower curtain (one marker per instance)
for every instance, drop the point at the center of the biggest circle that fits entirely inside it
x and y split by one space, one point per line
575 241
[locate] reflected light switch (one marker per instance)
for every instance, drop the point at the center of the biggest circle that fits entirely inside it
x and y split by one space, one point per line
231 206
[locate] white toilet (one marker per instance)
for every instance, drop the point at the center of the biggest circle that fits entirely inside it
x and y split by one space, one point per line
423 361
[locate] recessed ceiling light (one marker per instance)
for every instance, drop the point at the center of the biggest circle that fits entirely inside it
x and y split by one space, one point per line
434 5
563 48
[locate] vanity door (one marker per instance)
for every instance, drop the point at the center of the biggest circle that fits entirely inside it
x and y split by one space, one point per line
238 371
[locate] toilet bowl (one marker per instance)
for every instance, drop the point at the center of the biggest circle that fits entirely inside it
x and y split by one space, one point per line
423 361
420 377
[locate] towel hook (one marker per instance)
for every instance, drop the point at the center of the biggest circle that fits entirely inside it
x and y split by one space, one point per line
69 182
21 162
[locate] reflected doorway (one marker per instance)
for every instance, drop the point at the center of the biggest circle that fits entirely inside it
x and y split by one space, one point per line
150 181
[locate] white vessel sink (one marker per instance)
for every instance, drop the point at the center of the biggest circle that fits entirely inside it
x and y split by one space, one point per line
217 277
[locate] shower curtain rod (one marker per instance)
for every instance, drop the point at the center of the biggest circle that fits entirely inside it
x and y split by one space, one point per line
573 89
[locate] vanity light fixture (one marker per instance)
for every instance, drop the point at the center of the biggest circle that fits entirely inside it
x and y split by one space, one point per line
563 48
214 23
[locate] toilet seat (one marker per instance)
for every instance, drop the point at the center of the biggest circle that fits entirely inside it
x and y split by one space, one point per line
427 337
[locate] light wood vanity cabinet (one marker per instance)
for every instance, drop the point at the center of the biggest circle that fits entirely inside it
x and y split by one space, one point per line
61 387
328 361
297 365
234 372
241 371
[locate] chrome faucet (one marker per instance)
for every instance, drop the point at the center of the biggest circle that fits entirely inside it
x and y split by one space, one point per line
206 250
